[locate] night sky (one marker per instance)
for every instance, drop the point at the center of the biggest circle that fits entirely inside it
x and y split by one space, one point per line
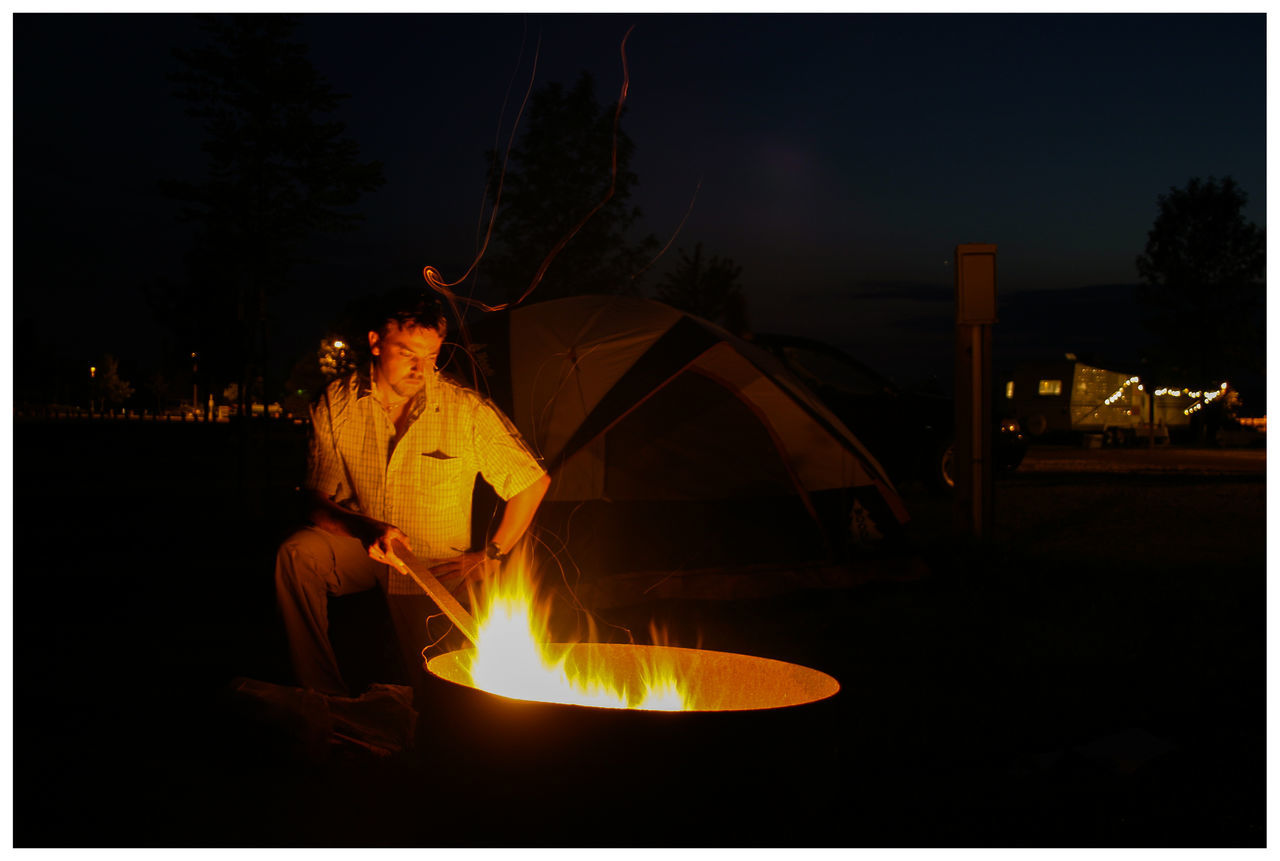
841 158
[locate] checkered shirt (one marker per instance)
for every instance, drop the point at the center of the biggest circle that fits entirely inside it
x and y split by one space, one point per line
423 482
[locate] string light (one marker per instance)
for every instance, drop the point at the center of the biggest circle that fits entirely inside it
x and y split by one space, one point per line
1118 393
1200 397
1208 396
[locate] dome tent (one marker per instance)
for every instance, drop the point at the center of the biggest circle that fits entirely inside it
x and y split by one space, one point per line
674 447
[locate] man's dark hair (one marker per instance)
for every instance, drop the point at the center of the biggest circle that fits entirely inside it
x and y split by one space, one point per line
418 305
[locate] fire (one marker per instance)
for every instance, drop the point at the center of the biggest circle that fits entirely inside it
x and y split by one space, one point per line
514 656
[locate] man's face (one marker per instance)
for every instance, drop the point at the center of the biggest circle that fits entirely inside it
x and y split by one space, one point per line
405 356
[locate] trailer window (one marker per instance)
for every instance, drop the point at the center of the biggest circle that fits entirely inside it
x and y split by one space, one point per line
1008 389
1050 388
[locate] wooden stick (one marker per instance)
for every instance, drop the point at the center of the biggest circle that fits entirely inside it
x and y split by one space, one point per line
421 573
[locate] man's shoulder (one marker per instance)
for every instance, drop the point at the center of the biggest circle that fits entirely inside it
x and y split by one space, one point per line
457 389
478 407
339 393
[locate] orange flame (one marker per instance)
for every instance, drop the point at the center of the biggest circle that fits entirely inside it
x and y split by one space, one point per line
514 656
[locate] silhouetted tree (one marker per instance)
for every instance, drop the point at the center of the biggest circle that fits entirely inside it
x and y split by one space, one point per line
304 384
1203 271
707 288
279 172
159 387
107 385
557 172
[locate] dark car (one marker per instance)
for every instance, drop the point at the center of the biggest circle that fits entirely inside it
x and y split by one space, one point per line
912 434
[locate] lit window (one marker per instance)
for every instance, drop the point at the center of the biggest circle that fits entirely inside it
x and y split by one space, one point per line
1050 387
1008 389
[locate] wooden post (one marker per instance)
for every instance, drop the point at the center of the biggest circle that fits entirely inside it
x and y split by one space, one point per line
975 267
1151 416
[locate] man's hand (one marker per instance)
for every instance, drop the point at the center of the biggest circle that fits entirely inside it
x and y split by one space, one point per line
378 544
473 567
376 536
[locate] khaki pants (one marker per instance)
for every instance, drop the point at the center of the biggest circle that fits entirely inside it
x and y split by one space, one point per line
311 565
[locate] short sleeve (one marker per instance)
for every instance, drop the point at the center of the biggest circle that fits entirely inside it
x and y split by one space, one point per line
504 458
324 466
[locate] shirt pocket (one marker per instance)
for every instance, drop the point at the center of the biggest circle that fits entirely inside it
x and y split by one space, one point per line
437 471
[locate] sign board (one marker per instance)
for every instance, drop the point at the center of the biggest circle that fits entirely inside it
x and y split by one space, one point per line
975 284
975 315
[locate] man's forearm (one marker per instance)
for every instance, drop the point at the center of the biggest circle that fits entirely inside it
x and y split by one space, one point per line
519 513
331 517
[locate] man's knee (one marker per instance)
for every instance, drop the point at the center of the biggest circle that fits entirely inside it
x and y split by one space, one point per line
304 556
313 557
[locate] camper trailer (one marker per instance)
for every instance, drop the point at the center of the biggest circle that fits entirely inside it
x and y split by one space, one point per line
1068 399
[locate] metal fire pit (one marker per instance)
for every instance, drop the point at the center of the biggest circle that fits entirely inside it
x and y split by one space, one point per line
719 681
763 722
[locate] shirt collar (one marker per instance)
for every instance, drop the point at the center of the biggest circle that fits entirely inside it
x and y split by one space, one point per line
361 384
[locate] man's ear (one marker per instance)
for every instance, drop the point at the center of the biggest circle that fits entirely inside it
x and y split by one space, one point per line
373 343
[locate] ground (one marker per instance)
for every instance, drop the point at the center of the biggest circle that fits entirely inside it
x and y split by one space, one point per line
1092 675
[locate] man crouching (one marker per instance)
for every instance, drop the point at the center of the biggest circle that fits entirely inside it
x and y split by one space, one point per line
393 455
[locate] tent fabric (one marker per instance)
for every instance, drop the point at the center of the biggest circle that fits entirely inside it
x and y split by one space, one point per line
662 429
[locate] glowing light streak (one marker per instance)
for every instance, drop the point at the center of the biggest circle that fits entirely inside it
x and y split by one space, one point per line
437 282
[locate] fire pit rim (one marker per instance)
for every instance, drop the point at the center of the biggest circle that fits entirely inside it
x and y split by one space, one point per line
836 687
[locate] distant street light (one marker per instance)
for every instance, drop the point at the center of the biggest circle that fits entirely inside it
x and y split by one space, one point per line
332 357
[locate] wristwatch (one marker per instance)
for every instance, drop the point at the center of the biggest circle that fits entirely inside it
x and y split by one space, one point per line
493 551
